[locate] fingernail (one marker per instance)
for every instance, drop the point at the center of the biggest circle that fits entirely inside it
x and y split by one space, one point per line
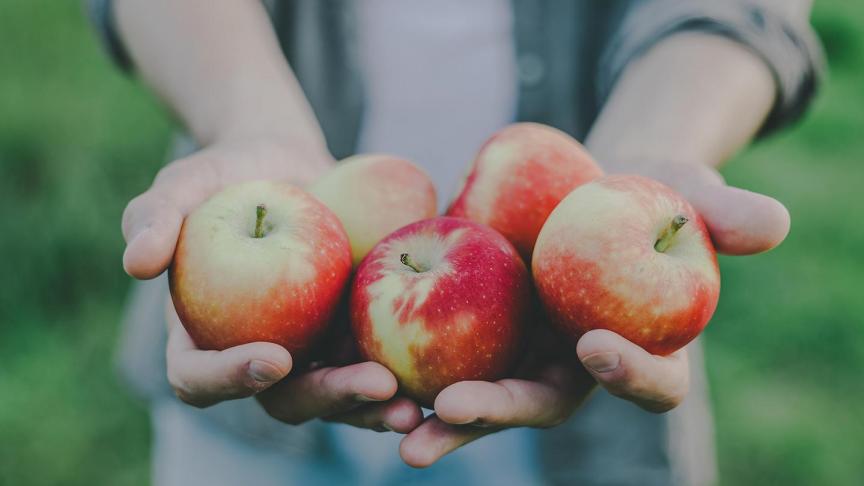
364 398
602 362
264 372
471 421
385 426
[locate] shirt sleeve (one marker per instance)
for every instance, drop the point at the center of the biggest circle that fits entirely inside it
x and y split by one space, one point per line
101 14
778 32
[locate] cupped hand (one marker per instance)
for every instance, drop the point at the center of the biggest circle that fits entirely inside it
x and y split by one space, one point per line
151 221
548 395
740 222
359 394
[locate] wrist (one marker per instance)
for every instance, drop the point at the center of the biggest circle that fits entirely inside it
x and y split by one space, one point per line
627 157
268 107
283 133
269 126
275 153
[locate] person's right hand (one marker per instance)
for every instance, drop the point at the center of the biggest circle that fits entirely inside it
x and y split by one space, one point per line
360 394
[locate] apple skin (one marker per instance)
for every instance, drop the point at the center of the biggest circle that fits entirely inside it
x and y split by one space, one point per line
595 265
230 288
460 320
374 195
520 174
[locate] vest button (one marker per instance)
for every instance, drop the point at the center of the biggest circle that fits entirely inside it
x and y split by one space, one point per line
532 69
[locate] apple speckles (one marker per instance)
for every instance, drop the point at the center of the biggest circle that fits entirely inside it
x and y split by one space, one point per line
592 272
471 314
222 276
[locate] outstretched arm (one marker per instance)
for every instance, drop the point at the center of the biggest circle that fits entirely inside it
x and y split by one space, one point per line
686 105
218 66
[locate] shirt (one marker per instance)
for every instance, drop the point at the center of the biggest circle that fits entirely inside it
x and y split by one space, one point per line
433 97
569 54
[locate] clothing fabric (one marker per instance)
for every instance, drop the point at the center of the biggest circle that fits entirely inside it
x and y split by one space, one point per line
443 88
439 78
568 55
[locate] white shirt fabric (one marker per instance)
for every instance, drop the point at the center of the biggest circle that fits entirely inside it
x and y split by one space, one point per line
439 78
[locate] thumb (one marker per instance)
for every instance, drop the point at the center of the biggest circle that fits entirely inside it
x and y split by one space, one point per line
655 383
741 222
152 221
203 378
151 226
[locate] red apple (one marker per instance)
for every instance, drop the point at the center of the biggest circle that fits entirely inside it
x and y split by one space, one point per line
260 261
374 195
440 301
628 254
520 174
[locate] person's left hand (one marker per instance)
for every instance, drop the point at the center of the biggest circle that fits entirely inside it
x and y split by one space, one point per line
740 222
549 394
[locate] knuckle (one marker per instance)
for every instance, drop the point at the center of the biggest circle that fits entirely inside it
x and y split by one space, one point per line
279 412
284 417
185 390
172 170
181 389
663 405
622 383
328 378
556 420
189 398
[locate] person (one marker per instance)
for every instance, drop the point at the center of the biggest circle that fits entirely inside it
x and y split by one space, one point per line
281 90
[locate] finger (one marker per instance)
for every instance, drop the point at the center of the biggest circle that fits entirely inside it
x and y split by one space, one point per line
203 378
152 221
740 222
655 383
328 391
514 403
434 439
399 415
469 410
151 226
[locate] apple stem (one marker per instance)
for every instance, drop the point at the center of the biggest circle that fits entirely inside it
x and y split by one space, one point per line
407 261
668 235
260 213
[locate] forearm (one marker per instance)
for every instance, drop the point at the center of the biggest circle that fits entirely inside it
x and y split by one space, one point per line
219 67
692 98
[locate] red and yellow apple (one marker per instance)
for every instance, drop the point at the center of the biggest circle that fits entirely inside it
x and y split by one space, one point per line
520 174
259 261
374 195
627 254
440 301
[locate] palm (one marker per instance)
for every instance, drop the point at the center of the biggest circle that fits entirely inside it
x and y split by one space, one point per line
741 222
151 224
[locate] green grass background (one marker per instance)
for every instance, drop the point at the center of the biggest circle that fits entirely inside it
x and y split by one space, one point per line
77 141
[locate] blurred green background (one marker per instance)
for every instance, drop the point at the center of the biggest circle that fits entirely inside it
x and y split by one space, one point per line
77 141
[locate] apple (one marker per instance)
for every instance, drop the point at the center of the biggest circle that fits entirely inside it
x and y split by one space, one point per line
259 261
374 195
440 301
627 254
520 174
